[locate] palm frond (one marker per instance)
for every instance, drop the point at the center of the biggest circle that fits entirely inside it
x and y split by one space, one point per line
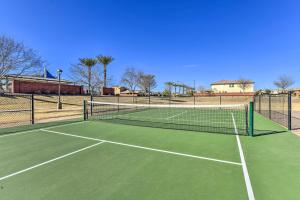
89 62
105 60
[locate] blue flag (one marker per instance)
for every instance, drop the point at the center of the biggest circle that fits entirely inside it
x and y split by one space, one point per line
47 74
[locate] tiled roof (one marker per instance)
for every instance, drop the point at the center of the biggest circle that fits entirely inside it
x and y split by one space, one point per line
222 82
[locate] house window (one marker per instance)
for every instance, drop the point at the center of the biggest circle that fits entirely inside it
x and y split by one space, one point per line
231 85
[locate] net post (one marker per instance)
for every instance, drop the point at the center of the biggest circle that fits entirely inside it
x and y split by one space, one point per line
84 110
247 118
220 99
32 108
254 102
251 120
290 110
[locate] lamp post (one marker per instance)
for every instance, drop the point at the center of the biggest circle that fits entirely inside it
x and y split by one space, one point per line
59 105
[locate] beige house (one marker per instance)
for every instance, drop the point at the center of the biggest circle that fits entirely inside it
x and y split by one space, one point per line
232 86
118 89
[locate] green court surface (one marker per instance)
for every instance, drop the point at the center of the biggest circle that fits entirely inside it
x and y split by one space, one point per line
100 160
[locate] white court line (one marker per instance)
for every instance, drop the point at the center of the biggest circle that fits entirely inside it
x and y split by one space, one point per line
243 161
17 133
49 161
146 148
176 115
37 129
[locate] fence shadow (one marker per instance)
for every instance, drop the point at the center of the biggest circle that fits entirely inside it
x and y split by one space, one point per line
258 133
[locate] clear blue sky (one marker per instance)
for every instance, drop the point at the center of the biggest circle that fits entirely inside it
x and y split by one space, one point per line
202 40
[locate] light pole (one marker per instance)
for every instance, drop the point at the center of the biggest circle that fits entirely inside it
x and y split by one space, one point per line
59 105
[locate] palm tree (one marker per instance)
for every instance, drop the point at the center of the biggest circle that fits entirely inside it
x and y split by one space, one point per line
169 86
104 60
89 63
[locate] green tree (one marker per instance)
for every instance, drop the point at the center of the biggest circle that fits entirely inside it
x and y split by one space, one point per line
169 86
104 60
166 93
268 91
89 63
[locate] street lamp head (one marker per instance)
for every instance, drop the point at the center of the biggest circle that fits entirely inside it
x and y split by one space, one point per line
59 71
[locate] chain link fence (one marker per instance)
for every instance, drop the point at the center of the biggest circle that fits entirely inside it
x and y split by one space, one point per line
25 109
19 112
15 110
281 108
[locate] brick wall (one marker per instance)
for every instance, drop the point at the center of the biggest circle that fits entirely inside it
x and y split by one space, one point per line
108 91
44 88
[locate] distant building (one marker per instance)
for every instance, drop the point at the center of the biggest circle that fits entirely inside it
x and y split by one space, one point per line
129 93
115 90
107 91
118 89
296 91
39 85
231 86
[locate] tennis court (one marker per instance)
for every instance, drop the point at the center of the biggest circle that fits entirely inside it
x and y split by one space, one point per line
102 158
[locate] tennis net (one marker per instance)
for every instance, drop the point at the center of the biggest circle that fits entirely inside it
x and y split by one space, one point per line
205 118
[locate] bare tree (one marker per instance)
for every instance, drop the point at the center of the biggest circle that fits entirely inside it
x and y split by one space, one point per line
130 79
283 82
201 89
16 58
146 82
244 84
85 74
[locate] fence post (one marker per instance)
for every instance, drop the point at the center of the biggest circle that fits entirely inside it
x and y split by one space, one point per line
251 120
290 110
118 101
270 107
32 108
91 99
259 103
194 100
84 110
149 93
